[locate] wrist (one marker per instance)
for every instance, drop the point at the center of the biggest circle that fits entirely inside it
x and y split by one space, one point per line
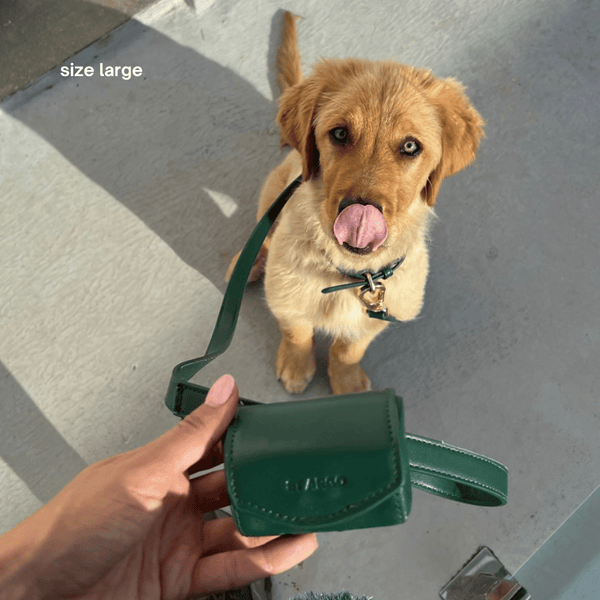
18 580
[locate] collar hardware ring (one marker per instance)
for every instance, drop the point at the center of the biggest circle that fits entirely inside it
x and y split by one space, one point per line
372 295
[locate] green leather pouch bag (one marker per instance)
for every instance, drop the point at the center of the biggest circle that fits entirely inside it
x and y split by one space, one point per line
344 462
319 465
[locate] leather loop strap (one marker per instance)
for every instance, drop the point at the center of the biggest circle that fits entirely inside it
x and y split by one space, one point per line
455 473
435 467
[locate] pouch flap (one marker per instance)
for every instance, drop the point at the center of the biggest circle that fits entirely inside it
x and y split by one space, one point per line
317 462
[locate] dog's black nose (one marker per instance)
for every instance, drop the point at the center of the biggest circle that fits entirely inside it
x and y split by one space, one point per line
350 200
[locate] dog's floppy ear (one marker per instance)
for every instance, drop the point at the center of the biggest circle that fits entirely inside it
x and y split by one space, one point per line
297 110
462 130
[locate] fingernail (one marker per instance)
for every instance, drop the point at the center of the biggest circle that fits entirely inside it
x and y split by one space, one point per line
221 391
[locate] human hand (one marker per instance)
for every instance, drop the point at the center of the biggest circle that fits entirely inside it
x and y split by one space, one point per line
132 526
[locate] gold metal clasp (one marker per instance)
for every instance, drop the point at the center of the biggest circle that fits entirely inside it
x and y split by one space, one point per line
373 294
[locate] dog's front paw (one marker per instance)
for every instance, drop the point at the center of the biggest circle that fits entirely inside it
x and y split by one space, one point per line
295 366
348 379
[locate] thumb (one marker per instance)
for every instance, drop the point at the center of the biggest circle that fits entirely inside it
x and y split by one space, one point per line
194 437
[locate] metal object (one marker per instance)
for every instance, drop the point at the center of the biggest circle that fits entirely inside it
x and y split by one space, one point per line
484 578
373 294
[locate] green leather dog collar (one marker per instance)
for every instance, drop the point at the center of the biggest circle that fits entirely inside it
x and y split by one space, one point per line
433 466
361 278
368 282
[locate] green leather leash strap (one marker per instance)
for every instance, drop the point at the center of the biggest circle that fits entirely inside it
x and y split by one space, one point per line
182 396
435 467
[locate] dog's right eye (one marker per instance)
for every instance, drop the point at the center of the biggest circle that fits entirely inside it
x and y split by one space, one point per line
339 136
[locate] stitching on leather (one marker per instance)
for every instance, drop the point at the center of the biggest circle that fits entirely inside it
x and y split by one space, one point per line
233 429
383 491
458 476
399 506
439 492
426 487
399 513
458 450
308 520
178 398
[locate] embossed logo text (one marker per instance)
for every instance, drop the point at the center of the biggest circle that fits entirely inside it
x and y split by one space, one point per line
315 484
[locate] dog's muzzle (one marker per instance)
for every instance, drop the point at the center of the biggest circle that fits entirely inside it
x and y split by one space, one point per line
360 226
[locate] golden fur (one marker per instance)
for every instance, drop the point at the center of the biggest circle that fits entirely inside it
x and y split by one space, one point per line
380 104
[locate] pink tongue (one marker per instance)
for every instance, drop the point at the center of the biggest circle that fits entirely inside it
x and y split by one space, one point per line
360 226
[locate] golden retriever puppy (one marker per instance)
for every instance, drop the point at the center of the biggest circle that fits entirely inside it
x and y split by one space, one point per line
373 142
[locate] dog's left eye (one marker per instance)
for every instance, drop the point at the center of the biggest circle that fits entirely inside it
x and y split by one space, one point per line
410 147
339 136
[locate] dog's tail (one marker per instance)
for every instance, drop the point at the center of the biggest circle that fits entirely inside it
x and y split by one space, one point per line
288 58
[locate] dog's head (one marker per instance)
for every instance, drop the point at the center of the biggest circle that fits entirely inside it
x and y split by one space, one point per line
380 137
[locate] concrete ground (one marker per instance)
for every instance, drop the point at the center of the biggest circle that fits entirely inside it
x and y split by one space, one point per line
122 202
